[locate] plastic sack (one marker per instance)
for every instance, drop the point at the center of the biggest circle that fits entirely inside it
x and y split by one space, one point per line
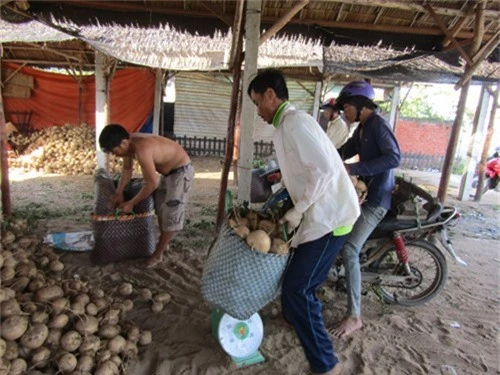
76 241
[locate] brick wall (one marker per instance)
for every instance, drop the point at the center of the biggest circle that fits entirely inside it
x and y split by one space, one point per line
419 137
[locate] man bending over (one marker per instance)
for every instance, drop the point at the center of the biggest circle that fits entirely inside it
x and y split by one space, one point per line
155 155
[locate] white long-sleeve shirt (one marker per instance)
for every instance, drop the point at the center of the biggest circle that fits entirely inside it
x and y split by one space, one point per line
338 132
314 175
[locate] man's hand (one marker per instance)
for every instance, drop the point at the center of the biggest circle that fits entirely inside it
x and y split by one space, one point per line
292 218
116 199
126 207
347 168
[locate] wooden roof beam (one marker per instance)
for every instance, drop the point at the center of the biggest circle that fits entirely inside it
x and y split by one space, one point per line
283 21
379 14
414 7
478 58
55 52
217 11
339 14
458 26
445 31
379 27
44 62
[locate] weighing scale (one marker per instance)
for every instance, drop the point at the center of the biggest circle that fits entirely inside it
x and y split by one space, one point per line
239 338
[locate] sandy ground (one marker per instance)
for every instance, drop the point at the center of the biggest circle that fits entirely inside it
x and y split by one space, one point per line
458 330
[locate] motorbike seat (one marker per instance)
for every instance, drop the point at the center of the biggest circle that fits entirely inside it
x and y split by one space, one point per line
408 192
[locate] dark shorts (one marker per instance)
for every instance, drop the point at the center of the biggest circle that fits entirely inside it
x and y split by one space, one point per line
171 197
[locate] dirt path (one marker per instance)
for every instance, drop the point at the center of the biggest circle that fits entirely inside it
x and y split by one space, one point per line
459 328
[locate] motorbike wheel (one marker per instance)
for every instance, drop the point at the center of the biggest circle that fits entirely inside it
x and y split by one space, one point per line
427 264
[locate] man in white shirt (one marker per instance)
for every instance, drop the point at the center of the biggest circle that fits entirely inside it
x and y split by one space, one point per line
337 129
325 209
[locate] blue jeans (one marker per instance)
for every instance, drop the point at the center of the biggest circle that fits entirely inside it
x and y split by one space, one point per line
307 270
364 226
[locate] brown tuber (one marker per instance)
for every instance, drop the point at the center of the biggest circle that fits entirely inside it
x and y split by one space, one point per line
259 240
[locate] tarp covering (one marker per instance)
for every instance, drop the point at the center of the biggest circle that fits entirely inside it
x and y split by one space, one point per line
54 100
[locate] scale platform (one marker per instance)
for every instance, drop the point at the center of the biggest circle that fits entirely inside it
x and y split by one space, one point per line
239 338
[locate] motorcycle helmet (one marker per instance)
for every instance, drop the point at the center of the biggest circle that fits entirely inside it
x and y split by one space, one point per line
330 103
356 93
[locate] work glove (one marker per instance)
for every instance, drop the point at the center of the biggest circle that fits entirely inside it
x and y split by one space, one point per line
292 218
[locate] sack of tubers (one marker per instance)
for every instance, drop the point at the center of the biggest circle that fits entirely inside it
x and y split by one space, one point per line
262 234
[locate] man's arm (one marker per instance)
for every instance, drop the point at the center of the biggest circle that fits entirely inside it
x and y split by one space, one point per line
390 154
146 162
117 198
348 150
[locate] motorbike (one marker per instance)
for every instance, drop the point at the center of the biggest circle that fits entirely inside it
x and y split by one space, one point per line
402 260
491 174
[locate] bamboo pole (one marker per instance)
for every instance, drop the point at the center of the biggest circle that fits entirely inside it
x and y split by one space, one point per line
5 185
452 144
230 129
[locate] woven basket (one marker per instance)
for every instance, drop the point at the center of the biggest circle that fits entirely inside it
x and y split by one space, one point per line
238 280
120 237
123 237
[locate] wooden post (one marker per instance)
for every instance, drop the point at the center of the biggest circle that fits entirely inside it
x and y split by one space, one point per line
5 185
455 131
452 144
393 116
101 106
230 129
317 99
487 143
157 109
245 162
476 140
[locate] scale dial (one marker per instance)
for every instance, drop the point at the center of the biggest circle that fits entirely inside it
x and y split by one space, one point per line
240 338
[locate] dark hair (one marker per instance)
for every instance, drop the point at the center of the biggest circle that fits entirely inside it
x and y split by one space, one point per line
269 78
111 136
360 101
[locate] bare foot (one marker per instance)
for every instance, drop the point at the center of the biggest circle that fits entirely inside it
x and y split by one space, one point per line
153 261
347 327
334 371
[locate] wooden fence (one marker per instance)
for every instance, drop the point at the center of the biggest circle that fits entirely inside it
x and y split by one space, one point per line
204 146
421 162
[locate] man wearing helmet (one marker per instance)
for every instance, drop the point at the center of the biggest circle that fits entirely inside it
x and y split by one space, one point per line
378 150
337 129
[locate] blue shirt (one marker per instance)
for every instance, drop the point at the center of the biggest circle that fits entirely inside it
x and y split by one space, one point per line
379 154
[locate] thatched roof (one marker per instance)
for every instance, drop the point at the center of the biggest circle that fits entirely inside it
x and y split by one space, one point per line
407 65
165 46
383 39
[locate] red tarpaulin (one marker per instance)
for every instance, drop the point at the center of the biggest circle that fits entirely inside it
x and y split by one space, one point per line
54 100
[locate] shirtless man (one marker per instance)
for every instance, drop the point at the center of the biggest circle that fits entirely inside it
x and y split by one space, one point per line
155 155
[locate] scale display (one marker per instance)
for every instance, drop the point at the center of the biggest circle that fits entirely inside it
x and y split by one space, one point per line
240 338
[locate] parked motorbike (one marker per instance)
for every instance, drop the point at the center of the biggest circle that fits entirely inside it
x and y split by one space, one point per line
491 174
402 259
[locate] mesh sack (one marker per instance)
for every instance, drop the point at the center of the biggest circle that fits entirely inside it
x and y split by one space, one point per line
239 280
123 237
